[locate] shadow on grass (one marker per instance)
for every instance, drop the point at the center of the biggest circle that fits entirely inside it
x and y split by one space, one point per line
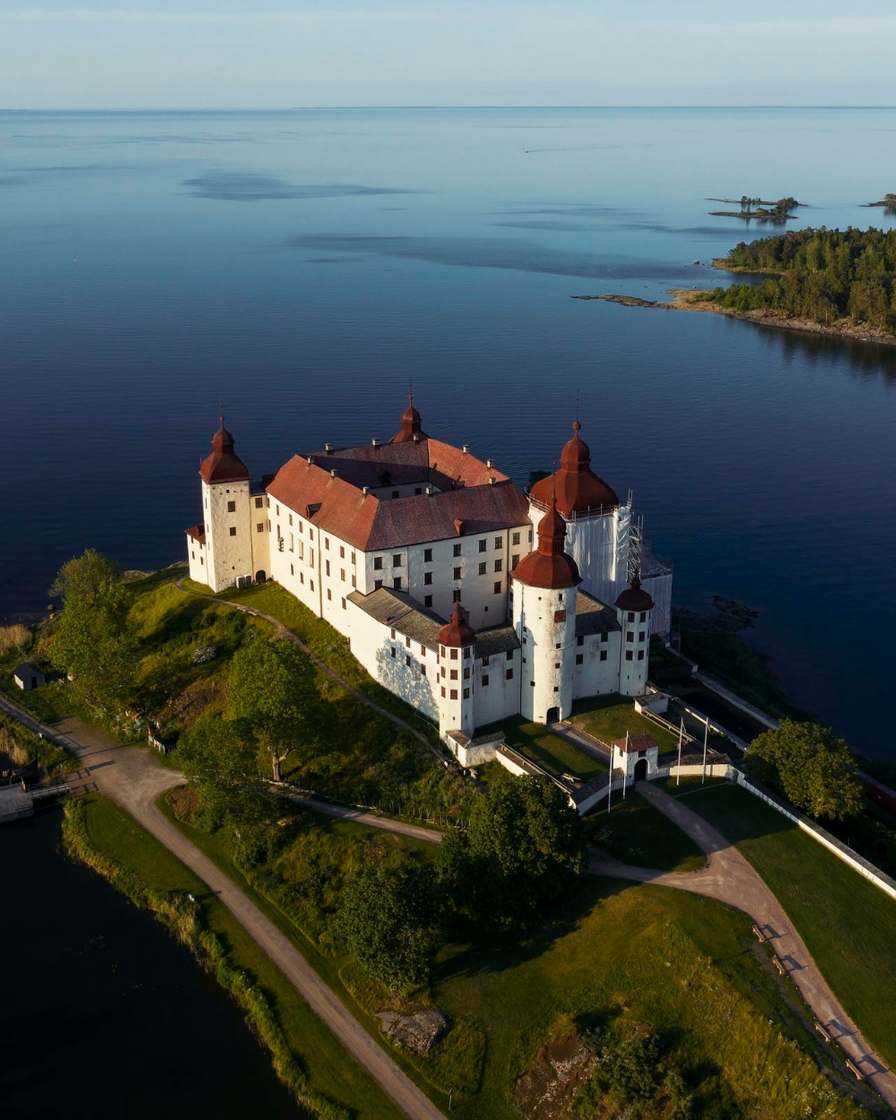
481 953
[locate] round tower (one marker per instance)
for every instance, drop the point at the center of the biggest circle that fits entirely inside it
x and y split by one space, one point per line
633 609
544 615
456 642
226 512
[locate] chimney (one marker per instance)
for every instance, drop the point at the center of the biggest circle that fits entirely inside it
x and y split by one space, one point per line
416 437
465 448
491 480
328 447
375 442
488 462
429 490
365 490
310 459
332 474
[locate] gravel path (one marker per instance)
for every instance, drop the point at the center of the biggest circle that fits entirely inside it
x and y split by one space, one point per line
404 828
131 777
729 878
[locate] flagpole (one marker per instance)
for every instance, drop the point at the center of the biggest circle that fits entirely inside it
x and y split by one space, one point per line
610 786
680 737
625 766
705 743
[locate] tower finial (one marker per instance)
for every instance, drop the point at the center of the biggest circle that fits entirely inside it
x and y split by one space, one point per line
222 412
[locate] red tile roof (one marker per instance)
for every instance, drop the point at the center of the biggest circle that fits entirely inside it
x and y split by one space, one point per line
457 632
636 743
339 507
549 566
410 424
635 598
576 487
223 465
407 462
197 532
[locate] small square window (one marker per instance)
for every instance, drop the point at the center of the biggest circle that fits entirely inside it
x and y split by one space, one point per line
377 584
499 565
499 542
640 654
231 507
642 617
457 550
466 694
629 635
483 568
377 563
509 674
485 660
629 655
515 538
396 560
559 616
510 655
342 574
466 674
422 670
233 530
392 651
394 493
396 583
354 581
427 600
497 587
603 655
454 653
407 661
453 693
443 692
427 556
329 595
530 536
484 680
259 528
427 578
483 545
407 642
418 489
341 552
454 674
642 635
580 641
259 503
631 616
457 573
580 659
456 595
514 560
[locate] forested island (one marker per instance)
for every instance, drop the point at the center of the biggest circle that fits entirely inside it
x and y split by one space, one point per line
834 282
825 276
888 202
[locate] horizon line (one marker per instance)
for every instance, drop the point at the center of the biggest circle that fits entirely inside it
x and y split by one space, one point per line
420 107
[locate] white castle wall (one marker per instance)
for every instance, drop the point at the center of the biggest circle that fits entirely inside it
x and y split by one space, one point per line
545 625
599 672
499 698
660 590
634 655
228 553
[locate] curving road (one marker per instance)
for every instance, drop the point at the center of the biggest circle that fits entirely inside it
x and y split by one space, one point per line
134 779
729 878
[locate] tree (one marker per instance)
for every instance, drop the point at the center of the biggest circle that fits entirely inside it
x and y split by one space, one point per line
218 752
523 845
273 693
91 639
810 766
388 919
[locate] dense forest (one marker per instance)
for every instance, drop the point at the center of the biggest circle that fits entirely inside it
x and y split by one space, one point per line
819 274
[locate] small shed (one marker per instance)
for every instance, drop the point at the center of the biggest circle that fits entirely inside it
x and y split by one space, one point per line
636 755
28 676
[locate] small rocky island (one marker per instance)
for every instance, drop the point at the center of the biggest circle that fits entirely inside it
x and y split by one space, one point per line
757 209
888 202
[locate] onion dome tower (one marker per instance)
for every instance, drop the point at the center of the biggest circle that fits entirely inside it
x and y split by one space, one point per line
410 425
230 547
223 465
633 609
456 642
577 488
544 616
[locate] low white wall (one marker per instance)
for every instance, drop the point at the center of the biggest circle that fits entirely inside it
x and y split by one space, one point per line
476 754
840 850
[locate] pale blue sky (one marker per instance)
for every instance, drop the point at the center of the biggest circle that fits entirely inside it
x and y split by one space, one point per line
116 54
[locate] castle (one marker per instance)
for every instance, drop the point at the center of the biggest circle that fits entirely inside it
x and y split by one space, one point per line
468 599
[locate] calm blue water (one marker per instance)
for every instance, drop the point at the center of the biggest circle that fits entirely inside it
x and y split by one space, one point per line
303 266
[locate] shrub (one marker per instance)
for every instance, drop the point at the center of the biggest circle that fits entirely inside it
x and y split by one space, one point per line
14 637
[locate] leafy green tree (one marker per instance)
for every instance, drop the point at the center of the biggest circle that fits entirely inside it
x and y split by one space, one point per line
91 640
272 693
388 919
810 766
523 845
218 752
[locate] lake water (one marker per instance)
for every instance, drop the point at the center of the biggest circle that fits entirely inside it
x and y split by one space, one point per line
103 1014
304 266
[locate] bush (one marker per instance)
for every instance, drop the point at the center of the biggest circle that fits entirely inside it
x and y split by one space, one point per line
14 637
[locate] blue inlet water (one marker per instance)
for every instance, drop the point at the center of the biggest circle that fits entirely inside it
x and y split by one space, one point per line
305 266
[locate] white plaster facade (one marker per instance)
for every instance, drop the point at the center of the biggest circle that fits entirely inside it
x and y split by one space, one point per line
385 564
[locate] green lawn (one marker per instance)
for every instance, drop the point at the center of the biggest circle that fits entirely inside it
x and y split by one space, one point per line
331 1073
550 751
637 833
609 717
324 642
617 955
848 924
613 953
